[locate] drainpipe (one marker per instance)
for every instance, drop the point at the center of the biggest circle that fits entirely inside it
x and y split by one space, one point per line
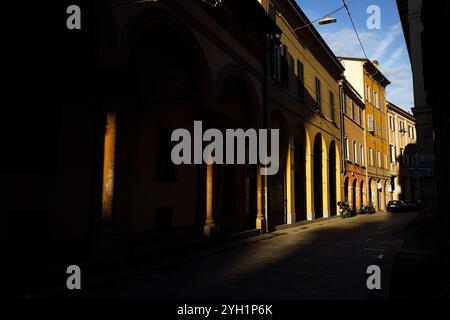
270 39
341 112
265 121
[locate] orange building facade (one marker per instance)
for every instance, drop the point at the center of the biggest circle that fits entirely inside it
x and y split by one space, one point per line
354 147
371 84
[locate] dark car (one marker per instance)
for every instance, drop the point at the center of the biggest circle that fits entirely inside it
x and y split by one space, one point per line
412 206
397 206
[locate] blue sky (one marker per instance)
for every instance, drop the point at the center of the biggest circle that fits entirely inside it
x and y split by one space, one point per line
387 45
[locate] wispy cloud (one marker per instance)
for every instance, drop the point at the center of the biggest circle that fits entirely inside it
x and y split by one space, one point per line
394 32
383 46
393 58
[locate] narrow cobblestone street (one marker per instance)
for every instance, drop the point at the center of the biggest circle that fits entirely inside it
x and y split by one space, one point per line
325 260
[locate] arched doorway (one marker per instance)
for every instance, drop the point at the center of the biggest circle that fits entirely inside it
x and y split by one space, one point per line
346 192
354 193
300 144
387 194
235 186
163 80
277 214
379 188
332 173
373 192
362 194
318 176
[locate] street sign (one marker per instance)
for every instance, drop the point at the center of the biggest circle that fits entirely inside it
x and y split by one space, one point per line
420 172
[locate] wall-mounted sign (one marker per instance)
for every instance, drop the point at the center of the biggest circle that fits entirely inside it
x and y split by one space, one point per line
420 172
427 158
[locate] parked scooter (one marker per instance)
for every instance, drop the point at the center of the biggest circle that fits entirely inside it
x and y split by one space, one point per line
344 209
361 209
367 209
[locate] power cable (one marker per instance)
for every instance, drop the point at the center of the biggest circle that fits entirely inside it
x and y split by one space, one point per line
357 34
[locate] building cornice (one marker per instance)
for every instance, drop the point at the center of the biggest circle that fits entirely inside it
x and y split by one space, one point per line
392 107
372 70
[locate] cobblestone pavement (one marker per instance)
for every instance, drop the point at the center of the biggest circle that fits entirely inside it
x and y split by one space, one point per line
324 260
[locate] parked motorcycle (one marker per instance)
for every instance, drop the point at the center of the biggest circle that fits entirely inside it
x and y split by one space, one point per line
369 208
361 209
344 209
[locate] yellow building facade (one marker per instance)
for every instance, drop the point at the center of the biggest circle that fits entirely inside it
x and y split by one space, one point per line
371 84
303 102
402 154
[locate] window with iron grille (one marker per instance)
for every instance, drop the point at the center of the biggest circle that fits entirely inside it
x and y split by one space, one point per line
318 94
301 80
284 66
332 108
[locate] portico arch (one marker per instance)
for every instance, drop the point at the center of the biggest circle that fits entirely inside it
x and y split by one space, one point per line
159 81
301 172
278 188
236 189
321 196
334 178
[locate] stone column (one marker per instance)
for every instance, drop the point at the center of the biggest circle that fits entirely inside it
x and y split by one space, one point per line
108 166
260 218
290 193
309 187
358 199
210 225
325 187
350 194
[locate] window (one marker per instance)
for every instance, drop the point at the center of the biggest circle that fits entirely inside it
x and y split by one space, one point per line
165 168
379 162
370 123
360 114
275 60
411 132
401 156
347 149
402 127
333 116
291 67
301 80
391 123
355 152
318 94
393 154
353 111
375 100
344 104
272 11
371 157
361 147
284 66
367 93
